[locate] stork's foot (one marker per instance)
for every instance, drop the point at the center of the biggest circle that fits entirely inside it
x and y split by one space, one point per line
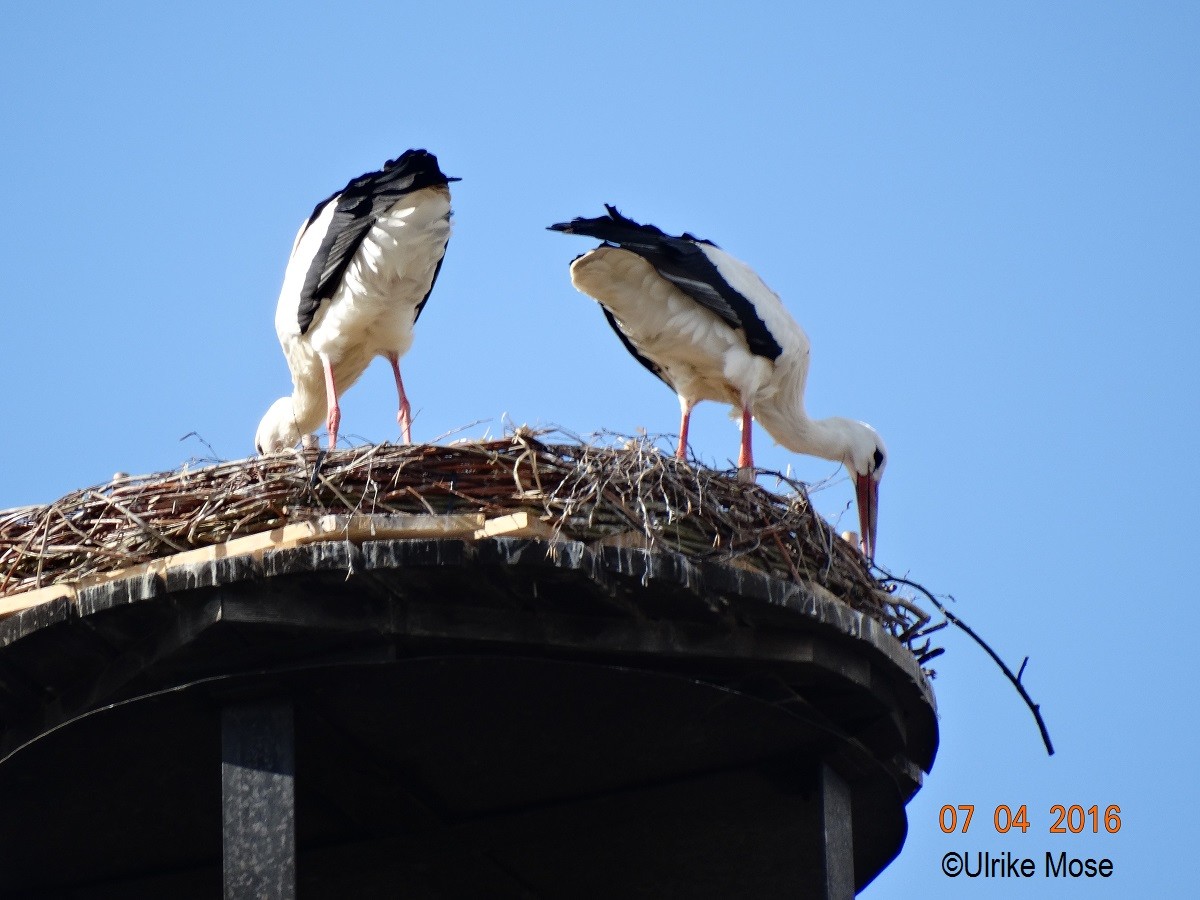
746 474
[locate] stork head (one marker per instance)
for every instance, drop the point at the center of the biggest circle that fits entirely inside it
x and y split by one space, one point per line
866 457
278 429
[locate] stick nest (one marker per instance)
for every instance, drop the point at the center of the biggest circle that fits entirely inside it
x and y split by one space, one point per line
585 492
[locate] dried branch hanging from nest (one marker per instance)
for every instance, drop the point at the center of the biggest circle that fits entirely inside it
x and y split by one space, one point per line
952 619
585 492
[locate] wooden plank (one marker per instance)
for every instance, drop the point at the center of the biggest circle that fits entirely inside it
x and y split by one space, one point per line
519 524
28 599
288 536
399 526
356 528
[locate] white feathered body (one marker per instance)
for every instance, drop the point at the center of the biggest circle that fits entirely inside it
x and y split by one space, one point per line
700 355
373 310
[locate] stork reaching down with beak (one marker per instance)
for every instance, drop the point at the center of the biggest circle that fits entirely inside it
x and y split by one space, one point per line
707 325
361 270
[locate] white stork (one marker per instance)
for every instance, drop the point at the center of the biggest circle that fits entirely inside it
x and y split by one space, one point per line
706 325
362 267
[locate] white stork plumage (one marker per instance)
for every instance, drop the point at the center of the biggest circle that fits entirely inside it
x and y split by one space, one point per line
707 325
362 267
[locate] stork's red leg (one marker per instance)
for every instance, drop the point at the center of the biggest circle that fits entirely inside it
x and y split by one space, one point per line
404 416
684 421
745 456
333 416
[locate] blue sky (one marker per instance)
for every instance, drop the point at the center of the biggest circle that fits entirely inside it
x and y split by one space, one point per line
985 215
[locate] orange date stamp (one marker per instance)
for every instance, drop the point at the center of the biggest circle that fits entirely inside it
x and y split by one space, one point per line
1062 819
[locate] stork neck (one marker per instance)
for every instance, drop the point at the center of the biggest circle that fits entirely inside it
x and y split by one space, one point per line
309 409
826 438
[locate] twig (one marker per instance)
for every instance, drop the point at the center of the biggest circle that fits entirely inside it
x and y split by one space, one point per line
142 523
200 438
1015 679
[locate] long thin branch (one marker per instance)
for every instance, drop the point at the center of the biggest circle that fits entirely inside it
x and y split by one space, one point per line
1015 679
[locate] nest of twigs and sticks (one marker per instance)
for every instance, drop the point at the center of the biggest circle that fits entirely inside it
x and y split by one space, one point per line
583 492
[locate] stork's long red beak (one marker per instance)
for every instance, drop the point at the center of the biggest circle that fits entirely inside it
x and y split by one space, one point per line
867 489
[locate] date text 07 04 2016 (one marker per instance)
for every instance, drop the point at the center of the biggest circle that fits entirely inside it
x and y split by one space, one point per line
1072 819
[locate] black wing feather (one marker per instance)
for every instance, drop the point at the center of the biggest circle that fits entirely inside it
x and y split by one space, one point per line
681 261
437 270
359 205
